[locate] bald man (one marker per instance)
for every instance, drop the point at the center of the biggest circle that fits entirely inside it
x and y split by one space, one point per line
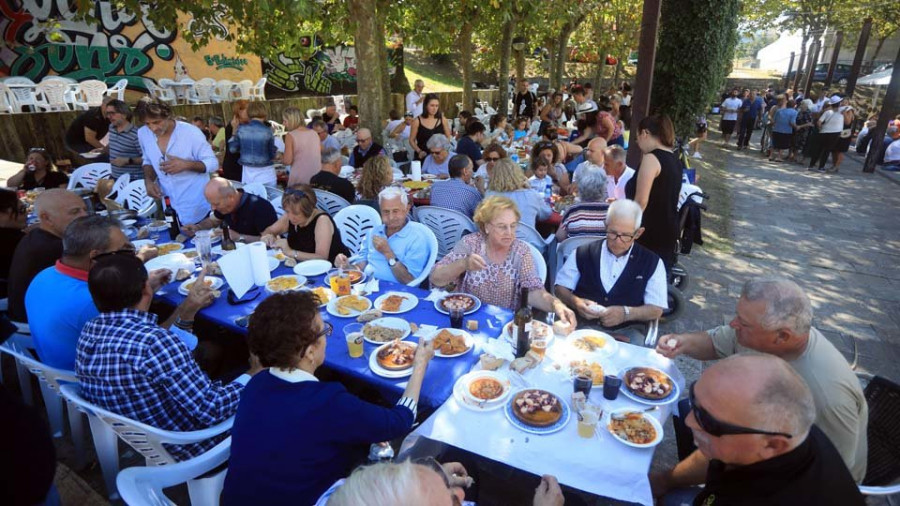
42 247
594 155
752 419
246 215
365 148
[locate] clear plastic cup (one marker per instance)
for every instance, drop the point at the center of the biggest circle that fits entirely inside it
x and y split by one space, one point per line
203 243
354 336
587 423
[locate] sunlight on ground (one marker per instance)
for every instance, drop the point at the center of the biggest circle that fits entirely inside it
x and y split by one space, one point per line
433 83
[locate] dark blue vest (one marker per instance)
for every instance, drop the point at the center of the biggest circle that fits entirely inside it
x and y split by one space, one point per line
631 285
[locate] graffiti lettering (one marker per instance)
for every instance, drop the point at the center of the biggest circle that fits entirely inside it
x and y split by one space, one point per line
217 27
220 61
328 71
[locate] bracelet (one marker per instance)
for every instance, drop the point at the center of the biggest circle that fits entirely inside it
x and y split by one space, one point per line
184 324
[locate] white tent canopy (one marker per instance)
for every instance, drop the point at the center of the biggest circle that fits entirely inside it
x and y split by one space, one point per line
882 78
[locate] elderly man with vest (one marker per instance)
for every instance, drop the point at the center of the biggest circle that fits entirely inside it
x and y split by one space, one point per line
365 148
614 282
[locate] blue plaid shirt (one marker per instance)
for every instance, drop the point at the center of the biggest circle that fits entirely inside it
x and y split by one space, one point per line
129 365
455 194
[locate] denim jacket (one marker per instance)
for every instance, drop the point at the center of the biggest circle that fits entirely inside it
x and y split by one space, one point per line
256 144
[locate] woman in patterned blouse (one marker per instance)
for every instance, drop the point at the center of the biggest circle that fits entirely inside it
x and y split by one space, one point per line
494 266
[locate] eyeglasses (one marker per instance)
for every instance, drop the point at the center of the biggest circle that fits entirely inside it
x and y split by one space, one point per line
715 428
37 150
492 158
127 250
358 140
327 329
436 153
626 238
506 228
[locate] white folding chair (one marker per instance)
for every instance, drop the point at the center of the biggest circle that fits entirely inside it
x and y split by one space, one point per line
354 222
329 202
274 196
243 89
447 225
50 379
136 199
565 248
118 89
258 90
90 94
432 252
539 263
202 90
87 176
143 486
51 95
117 193
530 235
165 95
257 189
23 89
7 100
222 91
22 339
146 440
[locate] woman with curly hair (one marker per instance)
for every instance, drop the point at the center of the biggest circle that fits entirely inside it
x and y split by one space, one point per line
377 173
38 172
508 180
293 436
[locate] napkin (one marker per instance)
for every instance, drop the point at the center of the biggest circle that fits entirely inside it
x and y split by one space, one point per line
499 348
371 286
436 295
245 267
425 330
415 170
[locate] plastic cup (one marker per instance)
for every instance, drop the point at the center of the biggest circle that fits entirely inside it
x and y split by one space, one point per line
354 336
587 423
539 345
611 386
339 281
583 384
456 318
203 242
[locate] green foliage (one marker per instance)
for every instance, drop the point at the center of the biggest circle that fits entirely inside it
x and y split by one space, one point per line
695 46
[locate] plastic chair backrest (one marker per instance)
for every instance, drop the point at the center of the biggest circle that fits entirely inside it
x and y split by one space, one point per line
258 91
329 202
117 192
447 225
432 252
24 95
223 88
530 235
143 486
201 91
52 376
244 88
7 100
136 198
565 248
539 262
92 92
274 196
87 176
75 178
354 222
53 94
257 189
118 89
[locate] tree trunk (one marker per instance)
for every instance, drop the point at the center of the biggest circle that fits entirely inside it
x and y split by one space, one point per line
369 67
598 74
881 41
618 74
520 65
380 44
503 77
562 46
551 64
464 43
796 81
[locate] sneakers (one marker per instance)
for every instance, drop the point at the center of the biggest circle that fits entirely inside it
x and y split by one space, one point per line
697 155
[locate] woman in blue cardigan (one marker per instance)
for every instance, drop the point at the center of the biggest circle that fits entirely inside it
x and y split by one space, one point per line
294 436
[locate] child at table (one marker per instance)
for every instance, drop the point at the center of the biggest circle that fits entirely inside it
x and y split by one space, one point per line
540 181
521 130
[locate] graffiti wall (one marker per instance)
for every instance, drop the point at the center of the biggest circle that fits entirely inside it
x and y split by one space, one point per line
42 37
325 71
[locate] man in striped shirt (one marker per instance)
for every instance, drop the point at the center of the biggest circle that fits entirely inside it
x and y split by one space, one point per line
125 155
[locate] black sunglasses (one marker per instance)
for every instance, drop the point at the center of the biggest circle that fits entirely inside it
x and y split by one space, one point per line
715 428
492 158
129 251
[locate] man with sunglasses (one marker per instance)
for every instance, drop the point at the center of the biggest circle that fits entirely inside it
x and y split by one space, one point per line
616 281
752 419
365 148
247 215
774 316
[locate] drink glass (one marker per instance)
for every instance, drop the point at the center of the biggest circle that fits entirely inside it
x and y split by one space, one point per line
611 386
354 336
587 423
539 345
583 384
203 242
339 281
456 318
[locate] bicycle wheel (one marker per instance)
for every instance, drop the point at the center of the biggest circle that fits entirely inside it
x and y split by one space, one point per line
764 140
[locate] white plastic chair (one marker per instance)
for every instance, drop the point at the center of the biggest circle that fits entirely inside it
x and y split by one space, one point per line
257 189
354 222
329 202
23 89
274 195
347 171
146 440
117 193
447 225
7 100
258 90
118 89
530 235
539 263
51 95
312 113
566 248
243 89
22 339
143 486
222 91
87 176
201 92
136 199
165 95
432 252
90 94
278 129
50 380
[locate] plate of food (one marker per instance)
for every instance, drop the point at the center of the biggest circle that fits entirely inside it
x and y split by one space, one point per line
140 243
468 303
393 359
590 368
323 294
356 276
191 253
482 390
538 329
312 268
649 385
592 341
279 255
158 225
537 411
169 247
348 306
396 302
449 343
635 428
385 330
288 282
211 281
173 261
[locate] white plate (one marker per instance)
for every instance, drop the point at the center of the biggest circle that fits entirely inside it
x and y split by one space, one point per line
672 397
312 268
327 291
407 305
609 349
172 246
507 335
194 254
391 323
216 284
140 243
332 308
172 261
274 263
279 255
90 155
157 228
470 342
381 371
217 249
440 308
556 427
647 416
465 399
301 282
128 223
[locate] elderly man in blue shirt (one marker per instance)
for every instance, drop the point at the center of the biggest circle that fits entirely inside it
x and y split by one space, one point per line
397 250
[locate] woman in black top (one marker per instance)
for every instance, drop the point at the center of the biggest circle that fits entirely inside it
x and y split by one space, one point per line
13 218
38 172
429 123
311 233
656 186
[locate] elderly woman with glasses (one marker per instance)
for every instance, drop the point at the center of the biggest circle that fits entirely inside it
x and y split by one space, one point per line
491 155
509 181
293 435
588 216
311 232
494 265
38 172
438 159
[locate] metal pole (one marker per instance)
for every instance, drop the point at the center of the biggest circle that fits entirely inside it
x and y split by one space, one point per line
787 80
838 39
889 109
640 101
857 60
811 72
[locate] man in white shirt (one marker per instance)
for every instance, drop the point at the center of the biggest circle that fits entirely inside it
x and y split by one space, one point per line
617 173
177 161
615 281
415 98
730 108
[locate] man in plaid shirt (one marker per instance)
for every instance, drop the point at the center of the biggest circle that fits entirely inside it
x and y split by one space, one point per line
130 365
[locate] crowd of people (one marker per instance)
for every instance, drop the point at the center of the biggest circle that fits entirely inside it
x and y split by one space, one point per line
781 420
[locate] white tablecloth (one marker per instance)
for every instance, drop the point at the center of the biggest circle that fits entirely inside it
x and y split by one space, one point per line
603 466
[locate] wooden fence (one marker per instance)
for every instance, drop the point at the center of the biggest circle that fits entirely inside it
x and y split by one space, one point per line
21 132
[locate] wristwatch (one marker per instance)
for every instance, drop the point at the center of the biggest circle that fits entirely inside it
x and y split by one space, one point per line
392 261
241 239
627 311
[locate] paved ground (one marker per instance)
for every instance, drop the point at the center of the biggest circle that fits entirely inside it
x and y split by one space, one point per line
837 235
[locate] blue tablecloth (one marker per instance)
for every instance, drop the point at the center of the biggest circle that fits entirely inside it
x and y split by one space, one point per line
441 374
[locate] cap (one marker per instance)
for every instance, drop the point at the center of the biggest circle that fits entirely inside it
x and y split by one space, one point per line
409 114
835 99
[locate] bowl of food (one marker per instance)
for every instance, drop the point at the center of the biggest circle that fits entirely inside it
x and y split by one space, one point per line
485 387
648 383
635 428
537 408
396 355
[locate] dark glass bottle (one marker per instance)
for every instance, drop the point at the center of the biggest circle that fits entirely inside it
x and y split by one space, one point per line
227 241
172 220
522 324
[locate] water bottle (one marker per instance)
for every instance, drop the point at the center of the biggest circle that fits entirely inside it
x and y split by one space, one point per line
548 193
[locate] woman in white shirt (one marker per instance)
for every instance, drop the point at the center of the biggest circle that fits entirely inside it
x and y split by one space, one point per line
831 122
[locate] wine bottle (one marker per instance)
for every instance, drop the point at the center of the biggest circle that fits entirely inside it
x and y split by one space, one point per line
172 220
227 241
522 325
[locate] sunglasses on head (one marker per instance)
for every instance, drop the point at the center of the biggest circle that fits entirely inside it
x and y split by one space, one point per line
716 428
37 150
